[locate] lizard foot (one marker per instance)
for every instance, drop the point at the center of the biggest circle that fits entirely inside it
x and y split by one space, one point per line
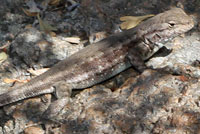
55 108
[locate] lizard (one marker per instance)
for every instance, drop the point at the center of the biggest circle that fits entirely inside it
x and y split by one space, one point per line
102 60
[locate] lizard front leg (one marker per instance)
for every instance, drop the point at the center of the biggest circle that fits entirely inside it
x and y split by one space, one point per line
136 60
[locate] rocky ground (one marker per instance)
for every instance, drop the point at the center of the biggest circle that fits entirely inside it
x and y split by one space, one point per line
154 102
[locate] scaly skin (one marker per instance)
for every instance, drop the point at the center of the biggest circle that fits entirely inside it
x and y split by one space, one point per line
106 58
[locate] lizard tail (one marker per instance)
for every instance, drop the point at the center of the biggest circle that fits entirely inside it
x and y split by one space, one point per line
18 94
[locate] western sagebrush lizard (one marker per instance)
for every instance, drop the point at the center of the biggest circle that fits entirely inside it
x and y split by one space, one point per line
104 59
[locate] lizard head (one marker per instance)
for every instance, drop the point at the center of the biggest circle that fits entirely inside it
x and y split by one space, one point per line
165 26
177 21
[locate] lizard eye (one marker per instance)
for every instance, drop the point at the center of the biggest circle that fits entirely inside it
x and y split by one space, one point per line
171 23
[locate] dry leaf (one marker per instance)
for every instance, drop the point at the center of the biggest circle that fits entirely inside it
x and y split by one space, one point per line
75 40
33 72
132 21
183 78
3 57
52 34
44 26
54 2
5 45
37 72
7 80
95 37
28 26
28 13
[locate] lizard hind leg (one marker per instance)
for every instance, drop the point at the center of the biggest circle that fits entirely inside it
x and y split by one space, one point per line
63 93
